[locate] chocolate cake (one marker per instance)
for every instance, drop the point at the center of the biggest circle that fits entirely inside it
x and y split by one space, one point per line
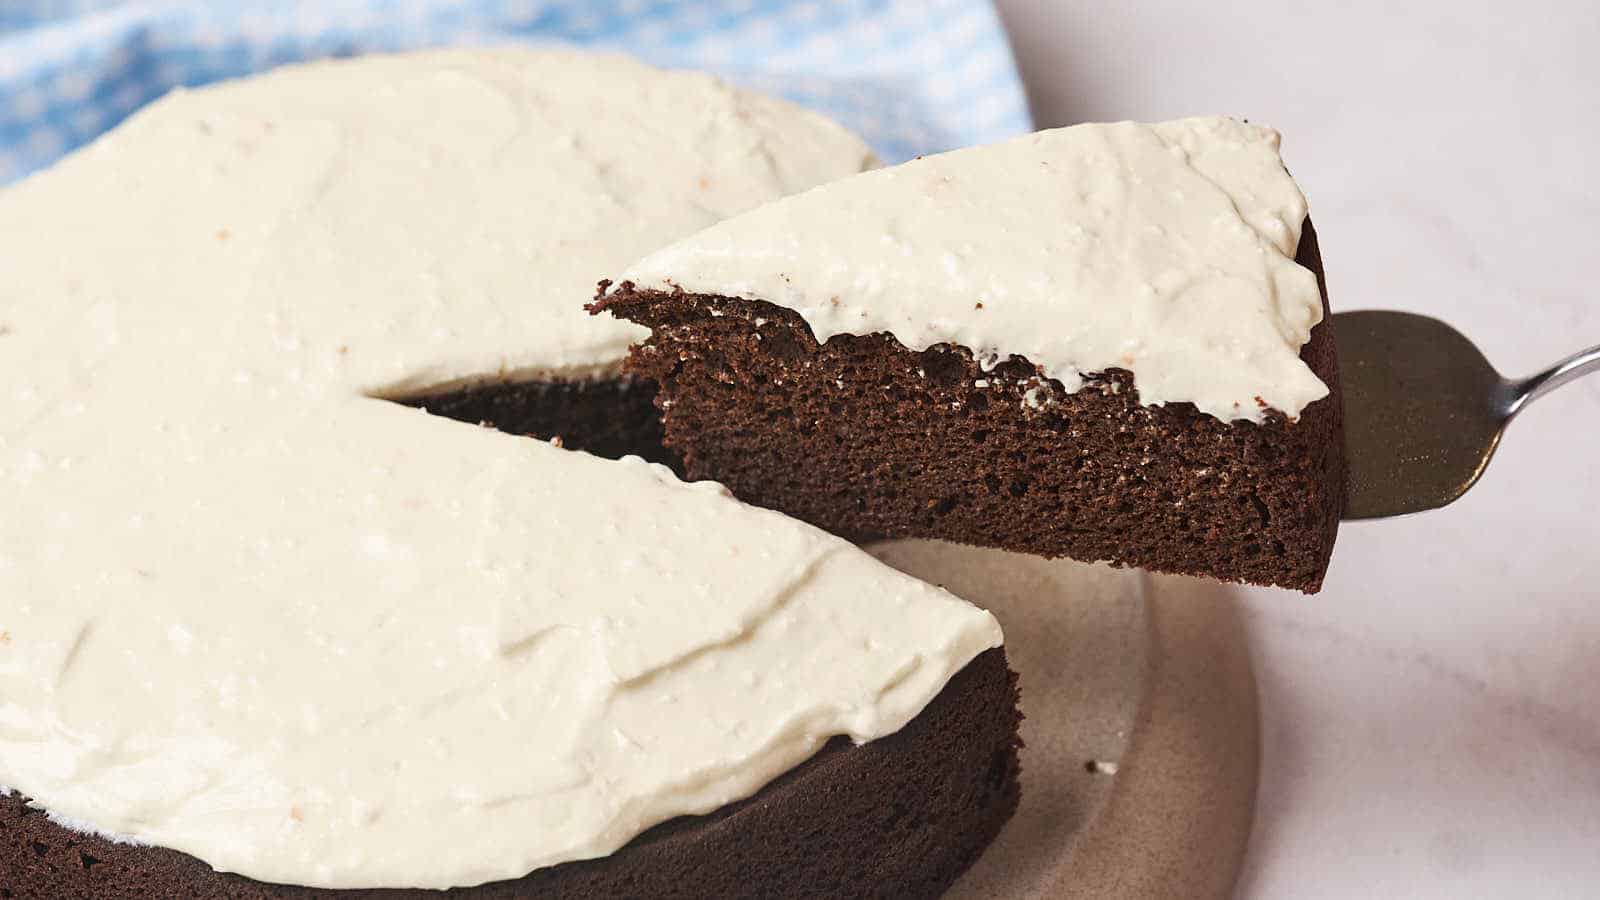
902 816
891 431
256 618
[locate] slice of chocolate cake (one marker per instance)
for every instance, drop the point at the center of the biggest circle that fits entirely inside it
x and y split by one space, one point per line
1099 342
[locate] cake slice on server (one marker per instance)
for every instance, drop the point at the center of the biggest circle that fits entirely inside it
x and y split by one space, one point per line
1100 342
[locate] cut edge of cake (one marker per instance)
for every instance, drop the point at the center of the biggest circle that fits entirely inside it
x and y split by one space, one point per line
610 416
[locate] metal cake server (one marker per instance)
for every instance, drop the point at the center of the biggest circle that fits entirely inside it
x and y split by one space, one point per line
1423 409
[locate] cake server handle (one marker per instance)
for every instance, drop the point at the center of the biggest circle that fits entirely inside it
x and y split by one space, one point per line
1566 371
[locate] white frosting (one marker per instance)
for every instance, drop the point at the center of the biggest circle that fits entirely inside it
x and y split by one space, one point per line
252 613
1167 250
501 184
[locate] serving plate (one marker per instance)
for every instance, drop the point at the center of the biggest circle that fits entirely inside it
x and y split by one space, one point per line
1142 737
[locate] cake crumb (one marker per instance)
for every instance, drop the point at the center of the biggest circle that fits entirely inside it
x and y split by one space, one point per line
5 636
978 305
223 234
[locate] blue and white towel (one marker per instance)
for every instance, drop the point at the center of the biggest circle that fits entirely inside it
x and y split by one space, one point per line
910 76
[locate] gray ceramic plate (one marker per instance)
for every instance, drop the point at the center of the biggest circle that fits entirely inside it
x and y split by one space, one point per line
1139 774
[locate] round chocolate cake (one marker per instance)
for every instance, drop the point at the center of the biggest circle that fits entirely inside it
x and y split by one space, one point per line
901 816
266 632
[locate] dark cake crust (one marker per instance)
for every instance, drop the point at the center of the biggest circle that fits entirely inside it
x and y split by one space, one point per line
900 817
868 439
609 416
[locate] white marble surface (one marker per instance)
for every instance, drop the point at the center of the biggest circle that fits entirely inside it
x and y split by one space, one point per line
1431 720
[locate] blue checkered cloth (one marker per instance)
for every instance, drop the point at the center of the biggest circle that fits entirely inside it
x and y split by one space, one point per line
910 76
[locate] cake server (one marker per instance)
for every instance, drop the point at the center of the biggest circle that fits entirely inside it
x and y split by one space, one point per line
1424 410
